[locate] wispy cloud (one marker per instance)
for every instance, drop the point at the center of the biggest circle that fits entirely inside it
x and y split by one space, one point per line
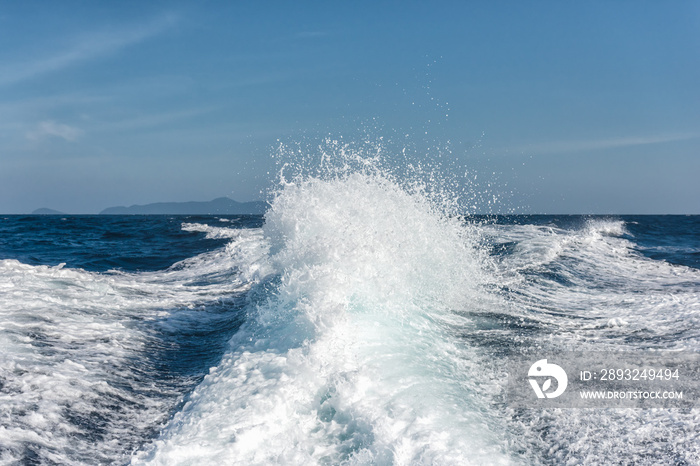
85 47
59 130
553 147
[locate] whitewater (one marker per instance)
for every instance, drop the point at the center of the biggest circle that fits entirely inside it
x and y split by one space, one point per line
361 321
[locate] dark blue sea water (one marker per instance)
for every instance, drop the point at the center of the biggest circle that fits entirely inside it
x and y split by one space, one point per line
98 243
136 243
349 326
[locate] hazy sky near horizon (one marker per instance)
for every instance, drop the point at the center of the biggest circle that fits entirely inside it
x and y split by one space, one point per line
574 107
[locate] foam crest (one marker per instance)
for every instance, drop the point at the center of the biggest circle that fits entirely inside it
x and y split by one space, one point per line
363 237
594 272
212 231
537 246
350 359
606 227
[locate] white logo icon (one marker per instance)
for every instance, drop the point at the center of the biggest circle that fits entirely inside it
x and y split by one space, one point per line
542 369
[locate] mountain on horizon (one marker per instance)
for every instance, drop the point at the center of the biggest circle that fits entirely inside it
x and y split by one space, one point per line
221 205
46 211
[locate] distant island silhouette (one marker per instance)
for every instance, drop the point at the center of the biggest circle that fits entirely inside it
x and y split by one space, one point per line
45 211
221 206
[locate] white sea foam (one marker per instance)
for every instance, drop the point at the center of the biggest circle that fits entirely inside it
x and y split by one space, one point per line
592 275
368 346
351 359
606 227
76 345
212 231
587 288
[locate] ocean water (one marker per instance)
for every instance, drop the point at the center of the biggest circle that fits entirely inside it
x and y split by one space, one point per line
359 322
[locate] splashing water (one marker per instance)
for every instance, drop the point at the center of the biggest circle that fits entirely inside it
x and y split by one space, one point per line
350 353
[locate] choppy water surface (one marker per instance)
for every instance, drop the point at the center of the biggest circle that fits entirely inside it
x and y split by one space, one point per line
356 323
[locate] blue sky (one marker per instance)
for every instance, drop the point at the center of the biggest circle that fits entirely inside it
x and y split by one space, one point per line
562 106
